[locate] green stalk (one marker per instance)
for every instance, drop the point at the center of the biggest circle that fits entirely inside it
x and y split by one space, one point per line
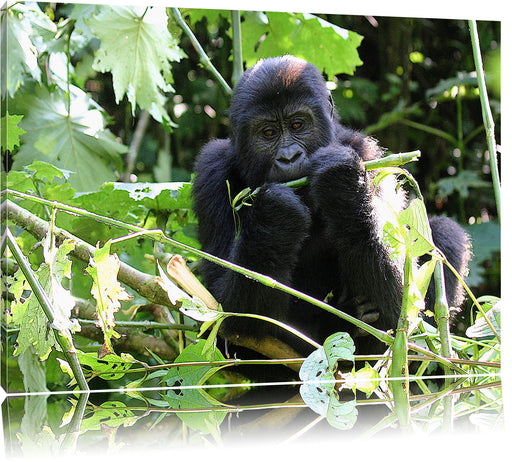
158 235
486 114
63 338
70 440
399 369
143 324
203 57
238 66
441 309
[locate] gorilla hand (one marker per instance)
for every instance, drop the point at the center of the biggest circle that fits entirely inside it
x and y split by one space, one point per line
275 227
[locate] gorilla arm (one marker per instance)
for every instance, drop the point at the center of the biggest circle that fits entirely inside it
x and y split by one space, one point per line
341 192
272 232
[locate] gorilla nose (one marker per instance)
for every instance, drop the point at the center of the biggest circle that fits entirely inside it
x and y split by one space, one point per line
289 155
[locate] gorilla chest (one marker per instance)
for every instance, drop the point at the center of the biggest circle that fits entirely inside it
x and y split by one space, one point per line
317 270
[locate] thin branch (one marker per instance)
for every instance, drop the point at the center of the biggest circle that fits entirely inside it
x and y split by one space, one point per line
138 135
203 57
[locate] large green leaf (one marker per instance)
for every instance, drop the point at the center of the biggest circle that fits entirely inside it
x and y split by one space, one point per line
303 35
17 24
138 49
77 142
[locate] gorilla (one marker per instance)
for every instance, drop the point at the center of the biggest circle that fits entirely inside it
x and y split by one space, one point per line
324 239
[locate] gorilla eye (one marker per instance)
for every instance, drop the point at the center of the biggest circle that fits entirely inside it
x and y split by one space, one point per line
296 125
269 132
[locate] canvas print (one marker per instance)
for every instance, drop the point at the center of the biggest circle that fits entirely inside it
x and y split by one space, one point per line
236 227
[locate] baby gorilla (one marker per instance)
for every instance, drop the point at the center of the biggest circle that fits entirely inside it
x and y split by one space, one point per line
324 239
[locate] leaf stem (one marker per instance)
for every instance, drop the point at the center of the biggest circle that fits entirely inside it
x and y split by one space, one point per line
159 236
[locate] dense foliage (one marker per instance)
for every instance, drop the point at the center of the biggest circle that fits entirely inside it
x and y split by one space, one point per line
103 111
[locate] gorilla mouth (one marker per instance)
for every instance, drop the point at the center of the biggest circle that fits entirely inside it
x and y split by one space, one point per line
287 171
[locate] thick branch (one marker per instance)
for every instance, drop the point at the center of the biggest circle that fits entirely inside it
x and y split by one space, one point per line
141 282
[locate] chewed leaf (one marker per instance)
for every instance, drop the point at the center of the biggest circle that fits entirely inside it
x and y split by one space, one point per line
339 346
107 291
341 415
420 235
27 313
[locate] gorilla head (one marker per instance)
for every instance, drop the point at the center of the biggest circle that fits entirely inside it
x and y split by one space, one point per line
281 112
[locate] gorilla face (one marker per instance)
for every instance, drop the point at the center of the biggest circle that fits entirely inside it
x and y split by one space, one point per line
281 113
285 141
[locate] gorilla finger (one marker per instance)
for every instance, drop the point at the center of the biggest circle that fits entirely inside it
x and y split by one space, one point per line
370 318
360 333
365 308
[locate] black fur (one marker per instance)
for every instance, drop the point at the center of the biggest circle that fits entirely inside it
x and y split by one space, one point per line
323 239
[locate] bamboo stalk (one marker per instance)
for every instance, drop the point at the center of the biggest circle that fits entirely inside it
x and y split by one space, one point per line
441 310
486 114
238 66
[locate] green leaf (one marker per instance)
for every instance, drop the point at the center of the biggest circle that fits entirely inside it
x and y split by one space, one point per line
318 381
480 329
306 35
10 131
461 183
58 267
76 142
27 313
107 291
318 391
420 236
34 372
339 346
342 415
110 367
183 397
138 49
111 413
22 53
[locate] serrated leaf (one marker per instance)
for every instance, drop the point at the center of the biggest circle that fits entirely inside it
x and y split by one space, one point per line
159 196
140 65
304 34
107 291
27 313
58 267
77 142
10 131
